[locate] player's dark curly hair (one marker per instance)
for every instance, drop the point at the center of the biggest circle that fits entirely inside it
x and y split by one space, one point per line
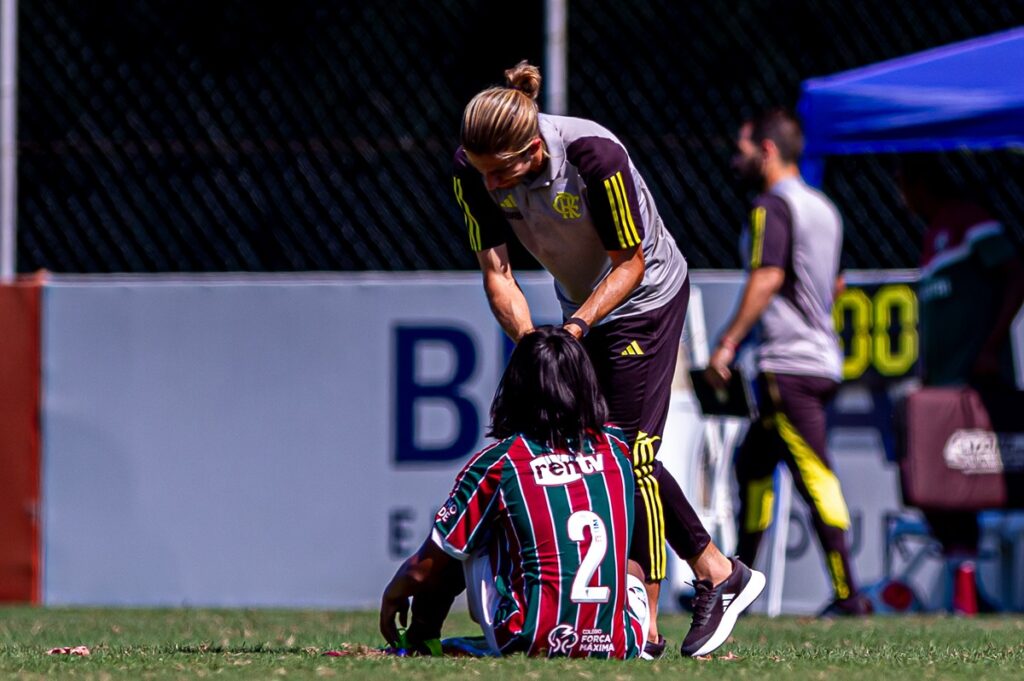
549 392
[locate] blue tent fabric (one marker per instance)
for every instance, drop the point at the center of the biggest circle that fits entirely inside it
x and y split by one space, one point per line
964 95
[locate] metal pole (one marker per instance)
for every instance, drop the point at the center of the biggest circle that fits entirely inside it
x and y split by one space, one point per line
780 539
8 138
556 56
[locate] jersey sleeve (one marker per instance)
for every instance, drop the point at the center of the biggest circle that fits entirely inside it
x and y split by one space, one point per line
484 222
611 192
771 233
461 524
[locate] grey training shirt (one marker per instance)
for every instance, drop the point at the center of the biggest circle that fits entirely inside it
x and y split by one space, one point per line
587 200
797 228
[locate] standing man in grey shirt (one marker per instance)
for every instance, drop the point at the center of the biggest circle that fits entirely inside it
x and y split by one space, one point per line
792 249
567 188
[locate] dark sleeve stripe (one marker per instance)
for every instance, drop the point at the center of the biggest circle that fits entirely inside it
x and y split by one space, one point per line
472 226
625 228
757 222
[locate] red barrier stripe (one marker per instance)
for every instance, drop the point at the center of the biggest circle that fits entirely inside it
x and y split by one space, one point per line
20 365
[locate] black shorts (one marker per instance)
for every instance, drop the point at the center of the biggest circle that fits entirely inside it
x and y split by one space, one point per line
635 360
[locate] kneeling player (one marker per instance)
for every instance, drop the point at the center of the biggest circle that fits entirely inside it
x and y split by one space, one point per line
537 527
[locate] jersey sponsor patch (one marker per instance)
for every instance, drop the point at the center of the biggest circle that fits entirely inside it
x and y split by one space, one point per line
561 640
447 511
596 641
562 469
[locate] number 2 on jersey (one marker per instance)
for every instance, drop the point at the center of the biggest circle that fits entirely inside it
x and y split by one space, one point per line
581 592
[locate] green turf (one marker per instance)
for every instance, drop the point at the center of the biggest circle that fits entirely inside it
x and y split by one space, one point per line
271 644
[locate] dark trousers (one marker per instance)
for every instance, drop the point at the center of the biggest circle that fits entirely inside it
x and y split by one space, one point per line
635 359
792 429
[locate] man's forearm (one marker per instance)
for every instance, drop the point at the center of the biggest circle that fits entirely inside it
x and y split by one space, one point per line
509 306
608 295
762 285
626 274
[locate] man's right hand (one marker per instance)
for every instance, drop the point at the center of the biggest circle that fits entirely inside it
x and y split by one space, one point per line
718 372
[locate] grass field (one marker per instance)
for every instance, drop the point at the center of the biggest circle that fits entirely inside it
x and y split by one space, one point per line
272 644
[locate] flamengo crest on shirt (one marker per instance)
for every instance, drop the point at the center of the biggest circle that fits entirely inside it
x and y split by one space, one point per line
567 205
561 469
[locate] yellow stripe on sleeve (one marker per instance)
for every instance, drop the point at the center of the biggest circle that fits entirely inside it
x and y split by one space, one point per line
757 222
612 202
620 211
471 223
629 225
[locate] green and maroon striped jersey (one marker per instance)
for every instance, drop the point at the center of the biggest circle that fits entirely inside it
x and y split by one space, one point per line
557 524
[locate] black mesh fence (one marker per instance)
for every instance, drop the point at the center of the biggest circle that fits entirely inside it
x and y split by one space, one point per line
676 79
162 135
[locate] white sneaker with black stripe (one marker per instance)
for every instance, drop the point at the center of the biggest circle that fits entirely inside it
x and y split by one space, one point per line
716 608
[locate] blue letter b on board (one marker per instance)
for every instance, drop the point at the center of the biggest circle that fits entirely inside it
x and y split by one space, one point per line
414 392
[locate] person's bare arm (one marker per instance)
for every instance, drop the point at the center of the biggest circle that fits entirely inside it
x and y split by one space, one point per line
626 274
503 293
759 290
421 571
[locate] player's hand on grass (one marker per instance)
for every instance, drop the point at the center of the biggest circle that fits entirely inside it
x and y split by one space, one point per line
390 607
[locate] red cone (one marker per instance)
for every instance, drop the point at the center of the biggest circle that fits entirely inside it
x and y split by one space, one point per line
965 590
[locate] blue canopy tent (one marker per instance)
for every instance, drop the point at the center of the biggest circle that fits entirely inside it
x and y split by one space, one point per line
967 95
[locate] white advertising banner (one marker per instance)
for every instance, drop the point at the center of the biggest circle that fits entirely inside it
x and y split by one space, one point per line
285 440
250 441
